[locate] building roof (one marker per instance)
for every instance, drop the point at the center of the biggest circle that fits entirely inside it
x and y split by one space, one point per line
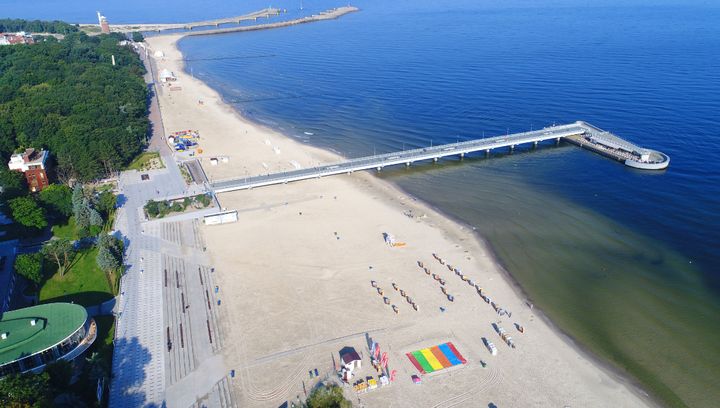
19 161
350 356
54 323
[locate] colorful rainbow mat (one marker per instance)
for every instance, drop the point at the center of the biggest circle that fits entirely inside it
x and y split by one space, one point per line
436 358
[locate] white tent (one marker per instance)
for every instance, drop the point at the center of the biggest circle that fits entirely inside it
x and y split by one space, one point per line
167 75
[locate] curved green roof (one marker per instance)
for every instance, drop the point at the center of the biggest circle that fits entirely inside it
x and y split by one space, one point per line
53 323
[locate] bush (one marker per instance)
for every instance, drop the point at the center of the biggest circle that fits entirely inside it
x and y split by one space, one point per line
328 396
152 208
29 266
203 199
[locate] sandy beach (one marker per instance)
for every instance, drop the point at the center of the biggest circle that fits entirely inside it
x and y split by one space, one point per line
295 273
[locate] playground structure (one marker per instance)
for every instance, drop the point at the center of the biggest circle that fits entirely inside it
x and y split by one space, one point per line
184 140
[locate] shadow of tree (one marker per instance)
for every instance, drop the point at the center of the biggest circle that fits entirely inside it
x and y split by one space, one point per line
82 298
128 374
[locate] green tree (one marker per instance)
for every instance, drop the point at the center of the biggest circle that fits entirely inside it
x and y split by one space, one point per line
204 199
36 26
12 183
25 390
109 257
60 373
95 217
97 368
27 212
137 36
106 203
328 396
84 217
29 266
152 208
60 251
57 199
78 195
89 114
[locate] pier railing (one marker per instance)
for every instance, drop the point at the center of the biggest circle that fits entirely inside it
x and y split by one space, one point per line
613 146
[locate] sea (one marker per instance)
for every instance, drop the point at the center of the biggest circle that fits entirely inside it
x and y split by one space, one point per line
625 262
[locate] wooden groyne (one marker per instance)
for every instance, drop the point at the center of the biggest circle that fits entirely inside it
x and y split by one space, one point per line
325 15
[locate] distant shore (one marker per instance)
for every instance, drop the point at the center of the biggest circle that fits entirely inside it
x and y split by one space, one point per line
517 377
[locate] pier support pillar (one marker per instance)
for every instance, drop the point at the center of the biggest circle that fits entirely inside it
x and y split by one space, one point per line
487 152
379 168
535 144
512 147
557 141
407 164
435 159
462 156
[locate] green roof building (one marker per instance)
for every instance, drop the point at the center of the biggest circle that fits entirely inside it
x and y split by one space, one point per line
35 336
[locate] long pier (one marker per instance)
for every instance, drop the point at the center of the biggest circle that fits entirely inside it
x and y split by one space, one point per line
325 15
580 133
125 28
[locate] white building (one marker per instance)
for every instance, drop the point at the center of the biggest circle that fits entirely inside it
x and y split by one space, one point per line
167 76
32 163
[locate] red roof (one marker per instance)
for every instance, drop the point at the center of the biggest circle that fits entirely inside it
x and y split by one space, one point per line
350 356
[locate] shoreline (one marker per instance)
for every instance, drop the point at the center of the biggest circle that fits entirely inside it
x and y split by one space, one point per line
607 366
449 226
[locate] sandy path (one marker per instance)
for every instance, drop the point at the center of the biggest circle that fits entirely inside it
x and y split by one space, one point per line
295 273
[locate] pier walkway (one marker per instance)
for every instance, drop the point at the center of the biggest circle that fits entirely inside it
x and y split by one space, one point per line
126 28
579 133
325 15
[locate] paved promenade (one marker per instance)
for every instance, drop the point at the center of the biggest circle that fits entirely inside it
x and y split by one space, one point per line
138 360
167 335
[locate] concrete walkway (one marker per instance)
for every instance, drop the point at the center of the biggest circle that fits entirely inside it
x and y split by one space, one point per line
106 308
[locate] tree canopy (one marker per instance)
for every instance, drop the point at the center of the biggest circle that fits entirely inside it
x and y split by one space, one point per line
25 390
29 266
90 115
110 253
327 396
36 26
57 200
27 212
59 251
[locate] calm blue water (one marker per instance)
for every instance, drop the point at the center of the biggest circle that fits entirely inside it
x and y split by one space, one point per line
624 261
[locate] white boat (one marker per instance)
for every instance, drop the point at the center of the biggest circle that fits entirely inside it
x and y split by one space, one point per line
309 133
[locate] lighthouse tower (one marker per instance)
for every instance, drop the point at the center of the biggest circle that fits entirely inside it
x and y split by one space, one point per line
104 26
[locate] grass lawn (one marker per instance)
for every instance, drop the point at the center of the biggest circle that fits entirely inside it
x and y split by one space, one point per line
146 161
66 231
84 283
